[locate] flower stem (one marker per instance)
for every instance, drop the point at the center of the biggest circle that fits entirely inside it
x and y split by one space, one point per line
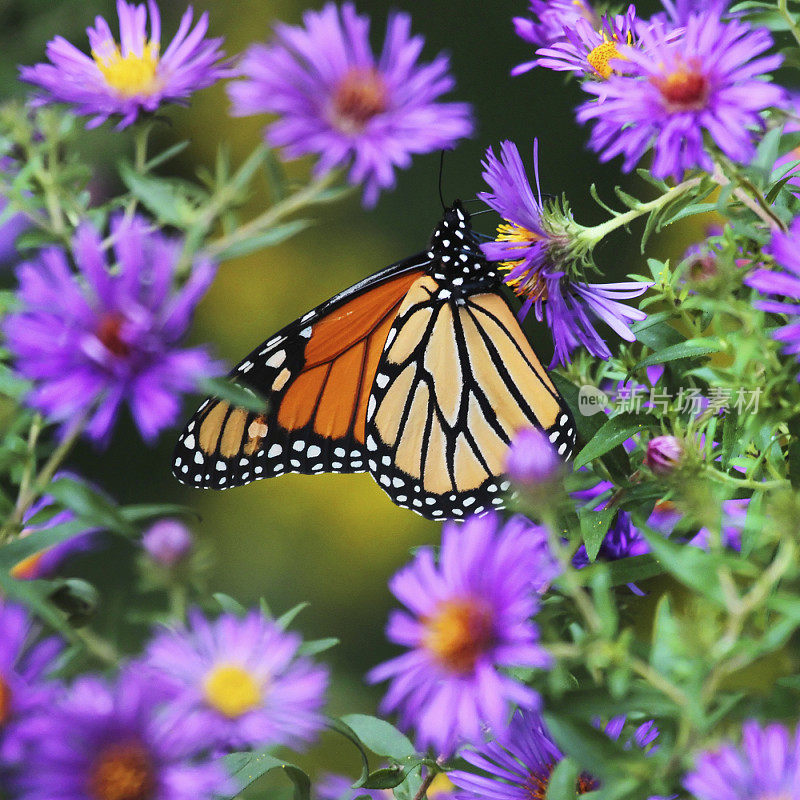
790 20
596 233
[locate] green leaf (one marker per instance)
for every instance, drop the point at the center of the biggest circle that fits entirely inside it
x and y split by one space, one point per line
15 551
612 434
166 155
143 511
379 736
234 393
656 332
563 781
246 768
345 730
316 646
227 603
692 566
285 620
385 778
159 196
90 504
594 527
260 241
632 570
689 349
593 750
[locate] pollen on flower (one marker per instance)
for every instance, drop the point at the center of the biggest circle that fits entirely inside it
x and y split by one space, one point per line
5 702
537 783
232 690
458 633
360 95
122 772
130 75
601 55
684 89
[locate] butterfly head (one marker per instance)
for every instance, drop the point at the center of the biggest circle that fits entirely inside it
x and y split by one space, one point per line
455 251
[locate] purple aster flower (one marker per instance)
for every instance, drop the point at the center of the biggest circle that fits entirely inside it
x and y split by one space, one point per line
24 663
784 284
587 51
679 11
470 614
518 765
551 18
105 742
90 342
525 247
167 542
241 680
335 100
766 765
132 77
675 89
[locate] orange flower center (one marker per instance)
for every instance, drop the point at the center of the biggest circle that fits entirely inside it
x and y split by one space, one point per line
361 95
458 633
122 772
685 89
109 332
536 785
5 702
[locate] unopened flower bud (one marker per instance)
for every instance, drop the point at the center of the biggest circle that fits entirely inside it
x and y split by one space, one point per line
167 542
664 455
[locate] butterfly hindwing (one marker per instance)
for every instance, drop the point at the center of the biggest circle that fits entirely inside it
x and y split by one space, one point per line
315 377
457 379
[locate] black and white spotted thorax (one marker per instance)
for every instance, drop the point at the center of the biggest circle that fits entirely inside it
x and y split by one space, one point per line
457 262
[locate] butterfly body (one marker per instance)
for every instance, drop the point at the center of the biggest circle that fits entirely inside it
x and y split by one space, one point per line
419 375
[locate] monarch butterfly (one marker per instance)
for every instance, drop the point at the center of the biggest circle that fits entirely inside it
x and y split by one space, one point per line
419 374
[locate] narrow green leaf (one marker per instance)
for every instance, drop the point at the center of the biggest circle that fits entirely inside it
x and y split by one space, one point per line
143 511
276 235
166 155
90 504
316 646
227 603
379 736
285 620
688 349
161 197
594 527
612 434
234 393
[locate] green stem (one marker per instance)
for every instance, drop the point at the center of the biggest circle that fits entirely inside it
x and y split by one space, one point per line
140 147
745 483
790 21
596 233
272 216
101 649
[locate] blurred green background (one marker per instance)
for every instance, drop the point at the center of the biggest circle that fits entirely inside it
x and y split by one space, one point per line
330 540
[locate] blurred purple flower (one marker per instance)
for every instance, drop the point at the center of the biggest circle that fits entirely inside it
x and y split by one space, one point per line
107 742
9 232
518 764
531 459
679 11
765 765
676 88
588 51
132 77
167 542
240 680
734 516
551 20
23 665
525 247
335 100
785 284
90 342
470 614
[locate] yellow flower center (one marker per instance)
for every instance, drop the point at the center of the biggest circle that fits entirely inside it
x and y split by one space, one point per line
122 772
531 284
130 75
5 702
361 95
599 57
458 633
685 89
231 690
441 786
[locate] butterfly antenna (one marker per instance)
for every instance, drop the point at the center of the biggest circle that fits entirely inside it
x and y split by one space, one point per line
441 172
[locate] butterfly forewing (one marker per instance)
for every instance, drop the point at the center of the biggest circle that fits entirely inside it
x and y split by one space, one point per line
315 377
